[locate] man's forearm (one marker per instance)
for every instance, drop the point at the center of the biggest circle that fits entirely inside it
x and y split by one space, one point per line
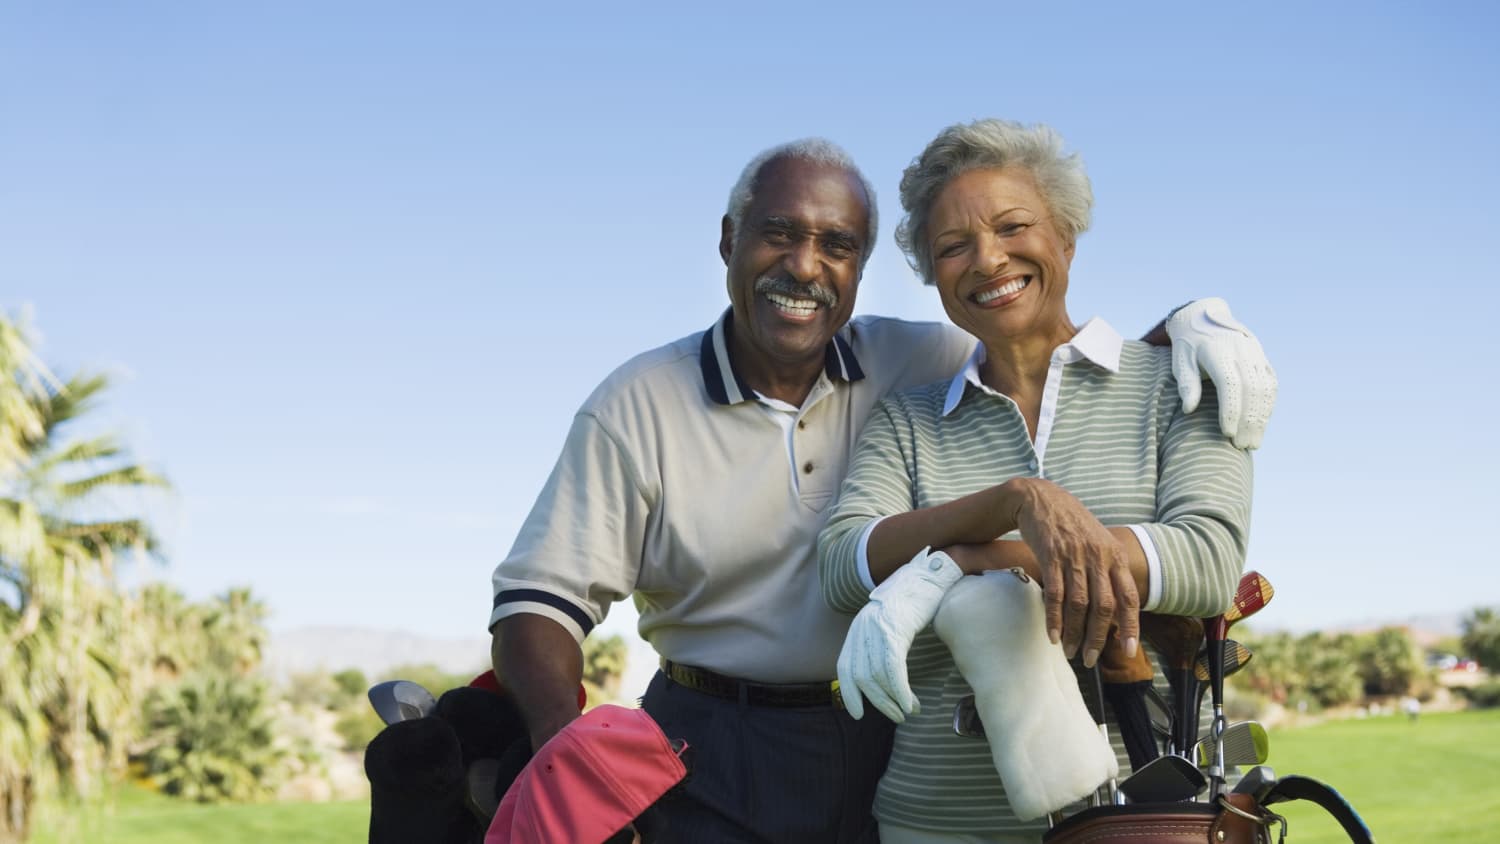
538 662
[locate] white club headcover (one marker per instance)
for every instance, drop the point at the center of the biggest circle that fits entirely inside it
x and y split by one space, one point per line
1206 337
1044 743
873 659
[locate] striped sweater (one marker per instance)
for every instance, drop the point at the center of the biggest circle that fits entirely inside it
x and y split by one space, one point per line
1120 443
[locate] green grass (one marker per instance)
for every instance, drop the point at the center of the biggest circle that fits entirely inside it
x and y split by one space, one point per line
1435 780
1432 780
137 816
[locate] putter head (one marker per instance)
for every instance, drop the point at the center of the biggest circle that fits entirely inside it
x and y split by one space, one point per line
1257 782
401 700
1166 779
1245 743
1236 656
966 721
1253 593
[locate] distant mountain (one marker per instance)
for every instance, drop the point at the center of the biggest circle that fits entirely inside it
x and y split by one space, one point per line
1426 628
372 651
375 652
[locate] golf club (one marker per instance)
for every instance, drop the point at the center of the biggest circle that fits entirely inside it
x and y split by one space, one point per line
1095 701
1244 743
1164 779
401 700
1126 679
1176 638
1257 782
1253 593
1236 656
966 721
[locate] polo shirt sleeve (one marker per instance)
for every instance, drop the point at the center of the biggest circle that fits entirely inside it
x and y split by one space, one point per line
579 549
878 484
1203 496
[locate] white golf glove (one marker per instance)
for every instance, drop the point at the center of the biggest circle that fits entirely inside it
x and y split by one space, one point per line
1206 336
873 660
1044 743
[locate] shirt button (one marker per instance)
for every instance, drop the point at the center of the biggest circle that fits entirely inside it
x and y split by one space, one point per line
807 468
1032 465
801 423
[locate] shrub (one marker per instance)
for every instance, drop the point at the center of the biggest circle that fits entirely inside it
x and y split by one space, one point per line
1486 695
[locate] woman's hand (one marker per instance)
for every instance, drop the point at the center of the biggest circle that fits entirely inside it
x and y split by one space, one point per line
1086 580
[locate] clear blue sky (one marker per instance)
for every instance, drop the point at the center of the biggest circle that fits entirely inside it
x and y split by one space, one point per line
356 264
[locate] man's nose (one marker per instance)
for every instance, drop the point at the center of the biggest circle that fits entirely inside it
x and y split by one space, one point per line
802 262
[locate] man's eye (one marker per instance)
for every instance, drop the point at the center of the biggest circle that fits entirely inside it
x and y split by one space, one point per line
1008 229
838 248
777 235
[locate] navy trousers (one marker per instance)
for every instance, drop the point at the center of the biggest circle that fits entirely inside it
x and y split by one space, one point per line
768 775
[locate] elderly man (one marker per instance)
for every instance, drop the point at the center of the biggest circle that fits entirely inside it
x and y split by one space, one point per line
697 477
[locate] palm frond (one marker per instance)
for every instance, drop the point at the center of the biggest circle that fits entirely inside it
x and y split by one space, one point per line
133 475
80 451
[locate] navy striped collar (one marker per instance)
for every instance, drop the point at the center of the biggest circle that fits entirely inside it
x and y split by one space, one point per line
725 384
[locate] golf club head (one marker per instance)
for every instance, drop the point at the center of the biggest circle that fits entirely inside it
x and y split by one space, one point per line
966 721
1257 782
1245 743
401 700
1164 779
1253 593
1176 637
1236 656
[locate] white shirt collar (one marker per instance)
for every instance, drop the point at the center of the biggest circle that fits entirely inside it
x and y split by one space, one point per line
1096 342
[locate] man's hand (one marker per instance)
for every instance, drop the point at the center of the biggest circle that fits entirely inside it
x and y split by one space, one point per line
873 659
1206 337
1086 579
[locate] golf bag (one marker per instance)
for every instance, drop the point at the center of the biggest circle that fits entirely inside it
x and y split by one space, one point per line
1232 819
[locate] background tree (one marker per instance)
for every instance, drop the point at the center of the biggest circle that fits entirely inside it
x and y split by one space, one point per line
603 668
212 740
64 682
1391 663
1481 639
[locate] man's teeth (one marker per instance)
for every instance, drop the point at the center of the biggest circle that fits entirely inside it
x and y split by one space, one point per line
1003 290
796 307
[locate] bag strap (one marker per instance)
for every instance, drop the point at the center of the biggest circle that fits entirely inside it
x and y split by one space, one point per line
1307 788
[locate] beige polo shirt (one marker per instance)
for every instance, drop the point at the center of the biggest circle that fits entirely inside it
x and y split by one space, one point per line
679 486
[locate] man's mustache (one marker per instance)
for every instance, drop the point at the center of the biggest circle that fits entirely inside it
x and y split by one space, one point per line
788 286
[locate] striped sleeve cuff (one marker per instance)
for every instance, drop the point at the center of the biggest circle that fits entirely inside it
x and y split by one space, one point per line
511 602
1153 568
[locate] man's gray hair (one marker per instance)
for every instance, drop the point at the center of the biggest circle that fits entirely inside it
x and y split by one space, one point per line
817 151
1060 178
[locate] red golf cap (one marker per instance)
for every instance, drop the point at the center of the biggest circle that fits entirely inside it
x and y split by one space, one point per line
589 781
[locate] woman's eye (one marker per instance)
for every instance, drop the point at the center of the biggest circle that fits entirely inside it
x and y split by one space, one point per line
950 249
1008 229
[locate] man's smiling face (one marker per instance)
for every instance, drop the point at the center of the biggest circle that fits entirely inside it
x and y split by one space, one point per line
794 268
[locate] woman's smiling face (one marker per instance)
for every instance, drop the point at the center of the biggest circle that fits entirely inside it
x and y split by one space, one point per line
998 260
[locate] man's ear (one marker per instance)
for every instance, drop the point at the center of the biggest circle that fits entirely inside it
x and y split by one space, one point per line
726 238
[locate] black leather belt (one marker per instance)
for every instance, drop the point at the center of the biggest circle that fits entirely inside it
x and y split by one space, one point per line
754 694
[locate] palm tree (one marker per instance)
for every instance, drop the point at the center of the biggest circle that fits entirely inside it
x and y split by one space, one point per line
64 683
213 740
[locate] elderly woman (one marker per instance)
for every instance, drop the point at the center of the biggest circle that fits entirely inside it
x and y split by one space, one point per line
1068 434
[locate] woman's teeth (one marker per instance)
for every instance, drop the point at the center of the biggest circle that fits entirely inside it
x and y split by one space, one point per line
795 307
1003 290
